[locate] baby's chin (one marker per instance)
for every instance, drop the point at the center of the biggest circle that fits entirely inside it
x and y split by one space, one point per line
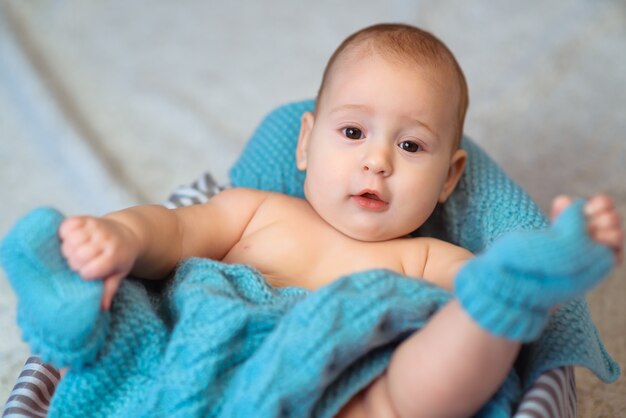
370 234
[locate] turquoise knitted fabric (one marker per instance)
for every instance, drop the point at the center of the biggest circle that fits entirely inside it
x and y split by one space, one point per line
485 205
166 352
219 341
511 288
34 264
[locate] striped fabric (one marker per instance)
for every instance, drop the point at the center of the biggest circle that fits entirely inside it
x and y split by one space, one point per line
33 390
199 191
553 395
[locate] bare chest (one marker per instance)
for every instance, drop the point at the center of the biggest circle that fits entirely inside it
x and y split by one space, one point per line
297 248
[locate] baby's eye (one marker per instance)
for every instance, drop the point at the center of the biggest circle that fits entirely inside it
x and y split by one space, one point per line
410 146
352 133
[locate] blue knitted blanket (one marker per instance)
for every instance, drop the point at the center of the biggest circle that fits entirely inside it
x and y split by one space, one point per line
217 340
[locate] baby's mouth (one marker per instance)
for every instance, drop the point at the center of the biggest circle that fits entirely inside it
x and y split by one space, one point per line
370 201
371 196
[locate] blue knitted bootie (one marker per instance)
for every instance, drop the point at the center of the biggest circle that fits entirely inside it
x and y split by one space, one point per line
511 288
58 312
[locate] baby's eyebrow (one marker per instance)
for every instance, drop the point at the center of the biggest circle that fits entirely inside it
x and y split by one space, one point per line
417 121
350 106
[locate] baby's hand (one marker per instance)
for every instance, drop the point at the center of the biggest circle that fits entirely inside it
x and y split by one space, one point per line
603 221
99 248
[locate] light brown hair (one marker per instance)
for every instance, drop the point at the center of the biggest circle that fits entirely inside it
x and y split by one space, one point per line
404 42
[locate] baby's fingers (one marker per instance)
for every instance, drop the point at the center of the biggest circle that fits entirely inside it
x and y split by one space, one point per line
73 234
80 257
598 204
70 224
605 221
97 267
559 204
609 237
614 239
110 288
605 224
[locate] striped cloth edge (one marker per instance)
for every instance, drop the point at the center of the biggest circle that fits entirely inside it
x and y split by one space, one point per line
553 395
33 390
200 191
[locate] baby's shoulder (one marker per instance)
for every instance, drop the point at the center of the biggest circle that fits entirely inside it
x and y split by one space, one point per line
283 204
241 197
433 259
246 194
260 205
235 205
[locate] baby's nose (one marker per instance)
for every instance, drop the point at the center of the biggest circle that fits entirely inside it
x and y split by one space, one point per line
377 161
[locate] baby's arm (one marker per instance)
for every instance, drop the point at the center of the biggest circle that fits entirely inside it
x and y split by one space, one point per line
454 365
148 241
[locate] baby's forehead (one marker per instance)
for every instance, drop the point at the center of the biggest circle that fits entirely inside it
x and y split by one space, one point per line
421 65
351 63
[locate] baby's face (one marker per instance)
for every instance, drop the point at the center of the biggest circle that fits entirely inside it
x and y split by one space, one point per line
380 154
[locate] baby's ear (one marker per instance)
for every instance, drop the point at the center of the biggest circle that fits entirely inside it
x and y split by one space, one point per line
457 165
306 126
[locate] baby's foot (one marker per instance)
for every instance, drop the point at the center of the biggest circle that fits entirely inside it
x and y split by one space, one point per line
59 313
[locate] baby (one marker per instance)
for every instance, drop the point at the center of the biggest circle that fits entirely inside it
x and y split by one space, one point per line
380 150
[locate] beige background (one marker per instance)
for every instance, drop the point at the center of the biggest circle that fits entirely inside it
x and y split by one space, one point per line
107 104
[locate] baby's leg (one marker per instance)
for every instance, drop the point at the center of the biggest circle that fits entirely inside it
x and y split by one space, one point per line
450 368
461 357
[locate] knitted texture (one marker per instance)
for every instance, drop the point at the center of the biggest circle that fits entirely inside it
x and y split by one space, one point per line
219 341
485 205
59 313
510 289
183 351
268 162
